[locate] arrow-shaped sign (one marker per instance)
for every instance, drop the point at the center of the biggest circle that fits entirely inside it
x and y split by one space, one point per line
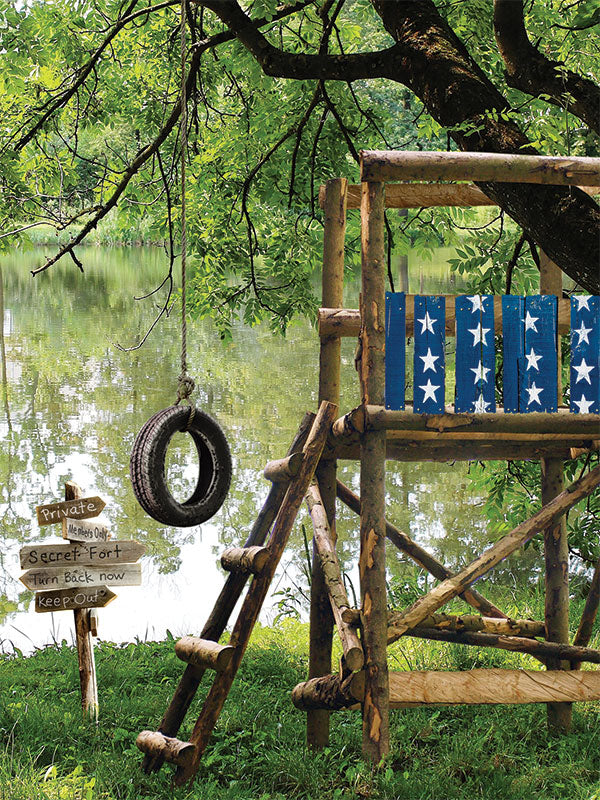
75 509
70 599
67 577
81 554
84 531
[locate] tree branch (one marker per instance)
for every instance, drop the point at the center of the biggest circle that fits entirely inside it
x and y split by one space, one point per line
530 71
301 66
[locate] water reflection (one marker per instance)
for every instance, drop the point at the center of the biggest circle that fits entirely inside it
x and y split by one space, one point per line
72 404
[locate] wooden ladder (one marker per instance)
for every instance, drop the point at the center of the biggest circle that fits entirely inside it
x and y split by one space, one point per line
291 479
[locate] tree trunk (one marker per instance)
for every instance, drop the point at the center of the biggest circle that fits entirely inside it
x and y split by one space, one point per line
439 70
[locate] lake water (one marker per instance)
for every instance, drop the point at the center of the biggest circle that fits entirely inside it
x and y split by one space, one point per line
73 402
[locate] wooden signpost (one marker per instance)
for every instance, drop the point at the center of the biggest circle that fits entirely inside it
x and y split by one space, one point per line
75 576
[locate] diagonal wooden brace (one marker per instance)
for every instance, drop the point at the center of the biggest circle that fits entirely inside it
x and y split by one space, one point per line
332 575
451 587
420 556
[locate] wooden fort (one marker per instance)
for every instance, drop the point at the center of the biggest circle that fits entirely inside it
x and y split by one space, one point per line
530 423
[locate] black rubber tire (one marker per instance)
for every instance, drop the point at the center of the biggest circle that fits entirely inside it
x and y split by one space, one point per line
147 467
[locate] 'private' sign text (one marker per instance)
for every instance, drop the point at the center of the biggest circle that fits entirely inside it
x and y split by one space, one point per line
75 509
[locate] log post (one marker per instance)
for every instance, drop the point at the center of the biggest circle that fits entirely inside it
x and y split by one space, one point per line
375 741
332 287
556 548
83 638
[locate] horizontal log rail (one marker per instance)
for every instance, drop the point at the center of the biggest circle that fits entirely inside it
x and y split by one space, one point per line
475 623
515 644
345 322
428 195
406 165
467 450
468 687
518 537
376 418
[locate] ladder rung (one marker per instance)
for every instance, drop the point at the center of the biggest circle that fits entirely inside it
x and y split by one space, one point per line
245 559
204 653
156 744
284 469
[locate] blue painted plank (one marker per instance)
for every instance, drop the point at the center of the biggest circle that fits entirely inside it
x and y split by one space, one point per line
395 348
429 361
513 313
538 366
585 354
475 354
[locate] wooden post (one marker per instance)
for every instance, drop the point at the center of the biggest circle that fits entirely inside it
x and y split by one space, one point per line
556 549
83 638
332 285
375 742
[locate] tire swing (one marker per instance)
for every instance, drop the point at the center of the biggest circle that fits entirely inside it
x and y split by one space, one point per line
147 463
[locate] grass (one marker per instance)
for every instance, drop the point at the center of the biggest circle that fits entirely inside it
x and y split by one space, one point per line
47 752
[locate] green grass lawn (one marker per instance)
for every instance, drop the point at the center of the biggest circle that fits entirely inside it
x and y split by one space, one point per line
258 751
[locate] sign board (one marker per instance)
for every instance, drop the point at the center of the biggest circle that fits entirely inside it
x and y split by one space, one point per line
66 577
72 599
81 554
84 508
84 531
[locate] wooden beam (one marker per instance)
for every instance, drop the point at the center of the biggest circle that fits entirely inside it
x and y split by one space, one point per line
405 165
427 195
420 556
491 686
475 623
440 452
517 644
577 425
376 740
345 322
332 292
518 537
165 748
332 575
556 547
329 692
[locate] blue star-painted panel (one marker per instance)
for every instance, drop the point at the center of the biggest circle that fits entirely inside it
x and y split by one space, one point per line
538 368
475 354
585 354
513 345
395 348
429 364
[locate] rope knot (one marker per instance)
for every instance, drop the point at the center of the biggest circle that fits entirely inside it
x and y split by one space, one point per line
185 387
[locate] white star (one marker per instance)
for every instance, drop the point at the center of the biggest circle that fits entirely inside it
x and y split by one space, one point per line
583 371
583 334
530 322
583 404
479 334
532 359
429 390
428 361
427 323
582 301
534 394
477 303
480 373
480 406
